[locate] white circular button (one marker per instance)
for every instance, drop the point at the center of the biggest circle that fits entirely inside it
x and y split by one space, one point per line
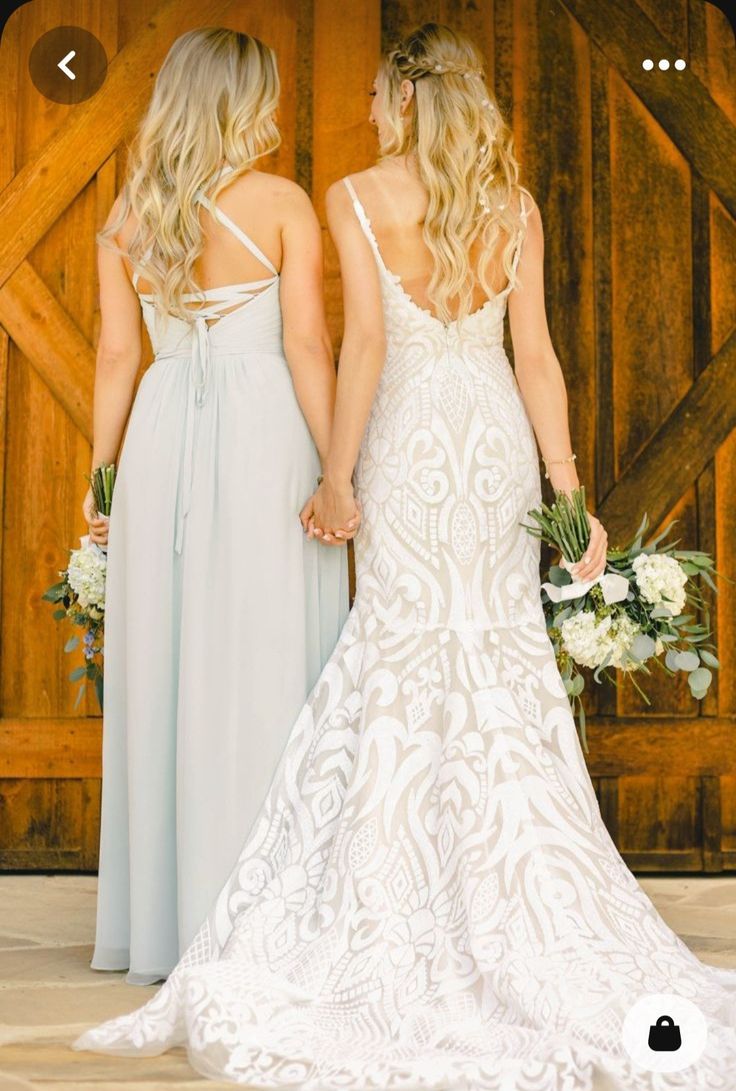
647 64
680 64
664 1032
664 64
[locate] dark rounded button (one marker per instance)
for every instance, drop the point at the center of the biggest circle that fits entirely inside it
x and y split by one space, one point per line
68 64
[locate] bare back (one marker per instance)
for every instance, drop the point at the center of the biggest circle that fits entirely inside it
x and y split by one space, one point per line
256 203
395 201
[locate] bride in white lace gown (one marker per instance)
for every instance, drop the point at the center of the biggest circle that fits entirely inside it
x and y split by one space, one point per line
429 898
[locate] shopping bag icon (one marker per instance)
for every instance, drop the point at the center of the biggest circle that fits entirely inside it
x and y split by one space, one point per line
665 1035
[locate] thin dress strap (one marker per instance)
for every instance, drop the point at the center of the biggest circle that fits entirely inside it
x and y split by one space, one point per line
524 214
365 224
237 232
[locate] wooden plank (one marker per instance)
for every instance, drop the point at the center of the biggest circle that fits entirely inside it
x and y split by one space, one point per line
694 746
45 186
275 24
9 64
42 824
679 450
686 110
711 824
647 248
662 862
304 94
346 50
718 66
49 339
61 747
687 745
660 815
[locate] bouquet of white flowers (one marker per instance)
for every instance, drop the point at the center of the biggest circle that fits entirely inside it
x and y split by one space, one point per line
80 596
630 617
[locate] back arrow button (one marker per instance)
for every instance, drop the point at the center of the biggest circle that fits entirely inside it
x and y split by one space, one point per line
63 64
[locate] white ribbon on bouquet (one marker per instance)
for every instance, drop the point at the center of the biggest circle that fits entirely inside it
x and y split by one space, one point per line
614 586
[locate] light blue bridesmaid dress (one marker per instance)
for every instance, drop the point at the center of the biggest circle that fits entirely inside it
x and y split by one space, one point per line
220 615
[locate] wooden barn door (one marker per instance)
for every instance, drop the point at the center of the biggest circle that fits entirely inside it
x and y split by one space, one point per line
631 172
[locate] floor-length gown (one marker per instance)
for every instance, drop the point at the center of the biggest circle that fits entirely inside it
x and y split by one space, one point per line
429 898
220 616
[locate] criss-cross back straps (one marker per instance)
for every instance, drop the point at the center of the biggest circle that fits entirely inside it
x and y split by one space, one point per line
237 232
240 235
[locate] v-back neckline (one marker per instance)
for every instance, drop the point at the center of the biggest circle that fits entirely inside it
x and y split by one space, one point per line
395 279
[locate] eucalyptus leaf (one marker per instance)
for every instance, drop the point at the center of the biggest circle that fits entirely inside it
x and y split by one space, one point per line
708 579
687 661
55 593
559 576
577 685
80 693
699 679
708 658
59 614
71 644
671 660
642 646
77 674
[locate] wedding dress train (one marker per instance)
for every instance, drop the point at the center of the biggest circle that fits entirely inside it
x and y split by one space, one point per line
429 898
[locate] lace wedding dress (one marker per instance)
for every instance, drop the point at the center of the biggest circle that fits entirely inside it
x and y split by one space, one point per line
429 898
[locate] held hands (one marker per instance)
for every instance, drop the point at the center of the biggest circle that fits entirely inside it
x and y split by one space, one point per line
332 514
98 527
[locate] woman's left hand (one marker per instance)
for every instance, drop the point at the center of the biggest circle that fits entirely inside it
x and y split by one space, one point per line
593 562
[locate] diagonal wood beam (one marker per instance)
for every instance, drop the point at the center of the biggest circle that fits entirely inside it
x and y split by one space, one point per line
51 341
677 452
679 101
45 186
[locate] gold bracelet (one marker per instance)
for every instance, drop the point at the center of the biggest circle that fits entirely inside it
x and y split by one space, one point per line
556 461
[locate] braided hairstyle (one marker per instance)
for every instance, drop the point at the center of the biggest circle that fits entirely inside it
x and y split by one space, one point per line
463 149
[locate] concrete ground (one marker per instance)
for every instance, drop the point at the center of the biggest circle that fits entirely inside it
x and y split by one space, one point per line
49 995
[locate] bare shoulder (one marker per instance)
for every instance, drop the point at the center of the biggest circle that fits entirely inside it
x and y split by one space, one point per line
337 199
525 201
287 199
126 230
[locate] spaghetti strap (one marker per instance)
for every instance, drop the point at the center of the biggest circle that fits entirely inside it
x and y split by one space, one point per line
365 224
237 232
351 190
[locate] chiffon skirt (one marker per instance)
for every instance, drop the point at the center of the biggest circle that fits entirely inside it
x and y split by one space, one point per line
210 653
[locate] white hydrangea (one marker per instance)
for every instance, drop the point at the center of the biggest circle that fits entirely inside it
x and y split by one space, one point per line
661 580
589 641
86 575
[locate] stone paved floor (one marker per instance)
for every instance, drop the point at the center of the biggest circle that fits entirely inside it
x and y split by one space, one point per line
48 994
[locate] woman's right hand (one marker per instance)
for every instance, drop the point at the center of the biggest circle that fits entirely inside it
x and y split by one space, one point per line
98 526
332 514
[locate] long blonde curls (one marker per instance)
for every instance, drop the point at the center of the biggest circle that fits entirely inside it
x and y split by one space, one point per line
464 155
214 99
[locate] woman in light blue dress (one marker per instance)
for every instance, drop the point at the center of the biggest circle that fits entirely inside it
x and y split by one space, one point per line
214 635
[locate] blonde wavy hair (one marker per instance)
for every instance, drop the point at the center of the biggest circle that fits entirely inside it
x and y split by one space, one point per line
463 150
214 99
